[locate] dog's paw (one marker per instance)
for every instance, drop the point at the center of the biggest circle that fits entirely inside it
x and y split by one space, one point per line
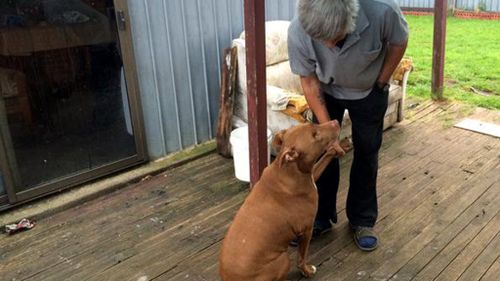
308 270
334 149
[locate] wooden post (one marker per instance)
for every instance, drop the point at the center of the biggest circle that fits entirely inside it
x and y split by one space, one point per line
227 95
256 86
440 12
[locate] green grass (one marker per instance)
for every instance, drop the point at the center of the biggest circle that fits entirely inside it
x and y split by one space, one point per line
472 59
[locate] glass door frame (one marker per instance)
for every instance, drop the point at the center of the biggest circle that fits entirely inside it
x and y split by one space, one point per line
11 198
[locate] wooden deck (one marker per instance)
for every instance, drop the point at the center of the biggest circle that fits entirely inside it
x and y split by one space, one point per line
439 198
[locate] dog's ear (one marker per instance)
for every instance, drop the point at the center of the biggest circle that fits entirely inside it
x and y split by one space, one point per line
287 156
278 141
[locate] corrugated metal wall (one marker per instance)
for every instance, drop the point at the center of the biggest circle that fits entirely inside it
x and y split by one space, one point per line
178 46
486 5
416 3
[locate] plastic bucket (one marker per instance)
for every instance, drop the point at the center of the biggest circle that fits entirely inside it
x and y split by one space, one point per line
241 155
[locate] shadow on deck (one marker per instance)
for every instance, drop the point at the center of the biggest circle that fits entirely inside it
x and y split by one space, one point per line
438 217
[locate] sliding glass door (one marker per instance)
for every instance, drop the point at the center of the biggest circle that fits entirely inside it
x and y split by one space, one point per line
69 109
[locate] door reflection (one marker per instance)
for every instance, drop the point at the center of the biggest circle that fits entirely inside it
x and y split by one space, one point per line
63 88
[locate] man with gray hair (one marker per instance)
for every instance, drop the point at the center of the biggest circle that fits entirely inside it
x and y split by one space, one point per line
345 52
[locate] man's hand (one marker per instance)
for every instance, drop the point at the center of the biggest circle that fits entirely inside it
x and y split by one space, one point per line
392 58
314 96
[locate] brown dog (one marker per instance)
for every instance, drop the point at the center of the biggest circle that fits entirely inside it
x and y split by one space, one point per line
281 206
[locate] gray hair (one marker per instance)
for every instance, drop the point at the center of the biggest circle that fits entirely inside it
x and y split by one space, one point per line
327 19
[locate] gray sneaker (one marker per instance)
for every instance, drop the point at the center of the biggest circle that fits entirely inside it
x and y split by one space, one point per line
365 238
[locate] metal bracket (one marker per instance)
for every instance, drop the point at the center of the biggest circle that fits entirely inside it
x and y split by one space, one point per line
121 21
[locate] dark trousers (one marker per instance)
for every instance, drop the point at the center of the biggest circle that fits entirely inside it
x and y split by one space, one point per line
367 116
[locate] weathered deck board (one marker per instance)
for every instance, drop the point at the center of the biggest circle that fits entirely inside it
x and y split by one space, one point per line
439 189
449 243
407 234
472 250
493 272
112 233
477 256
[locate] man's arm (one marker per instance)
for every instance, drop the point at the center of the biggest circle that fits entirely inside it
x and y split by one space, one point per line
392 58
314 96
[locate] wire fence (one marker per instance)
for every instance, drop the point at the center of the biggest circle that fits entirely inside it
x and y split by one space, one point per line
470 5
